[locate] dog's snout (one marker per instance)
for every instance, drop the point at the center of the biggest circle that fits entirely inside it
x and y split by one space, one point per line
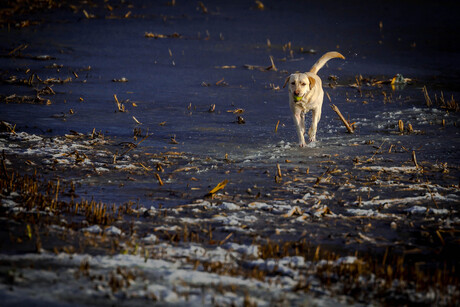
296 92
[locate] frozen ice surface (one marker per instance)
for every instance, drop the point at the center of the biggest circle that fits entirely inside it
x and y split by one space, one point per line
285 228
95 229
112 230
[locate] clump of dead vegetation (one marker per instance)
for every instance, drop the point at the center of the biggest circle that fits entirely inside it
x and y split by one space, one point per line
442 102
12 11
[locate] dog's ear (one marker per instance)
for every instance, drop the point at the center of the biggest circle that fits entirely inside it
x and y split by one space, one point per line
312 82
287 80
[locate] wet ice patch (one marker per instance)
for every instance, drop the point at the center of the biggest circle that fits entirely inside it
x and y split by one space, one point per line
150 238
62 151
101 169
439 211
259 205
9 203
421 116
346 260
168 228
227 220
228 206
249 250
94 229
126 167
411 200
366 212
113 231
422 210
163 293
392 169
417 210
25 137
286 266
362 190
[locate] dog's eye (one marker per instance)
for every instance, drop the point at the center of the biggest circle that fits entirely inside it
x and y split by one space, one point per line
293 83
303 83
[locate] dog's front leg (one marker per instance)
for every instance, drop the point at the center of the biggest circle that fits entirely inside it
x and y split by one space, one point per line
316 115
299 121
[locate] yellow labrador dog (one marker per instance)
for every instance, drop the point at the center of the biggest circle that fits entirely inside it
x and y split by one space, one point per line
305 94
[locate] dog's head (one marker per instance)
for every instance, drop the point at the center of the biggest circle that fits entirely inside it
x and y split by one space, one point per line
299 85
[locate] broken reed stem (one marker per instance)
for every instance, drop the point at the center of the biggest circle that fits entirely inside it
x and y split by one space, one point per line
427 97
57 191
145 167
391 146
318 180
345 122
121 107
440 237
401 126
226 238
376 151
414 159
279 175
273 67
432 196
279 170
328 97
159 179
218 187
409 128
135 146
5 170
20 47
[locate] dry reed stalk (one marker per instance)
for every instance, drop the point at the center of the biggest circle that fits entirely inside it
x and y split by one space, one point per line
429 103
278 168
218 187
159 179
409 128
414 159
345 122
401 126
376 151
273 67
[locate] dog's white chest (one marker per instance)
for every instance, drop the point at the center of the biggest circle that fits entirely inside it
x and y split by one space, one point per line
305 104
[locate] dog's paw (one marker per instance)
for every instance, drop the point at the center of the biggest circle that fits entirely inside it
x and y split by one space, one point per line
302 144
312 139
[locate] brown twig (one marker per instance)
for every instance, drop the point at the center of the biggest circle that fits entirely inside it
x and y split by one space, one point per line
401 126
159 179
226 238
19 48
376 151
429 103
345 122
121 107
276 128
318 180
135 145
272 67
278 168
414 159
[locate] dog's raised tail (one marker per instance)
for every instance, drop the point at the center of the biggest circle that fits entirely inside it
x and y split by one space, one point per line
323 60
